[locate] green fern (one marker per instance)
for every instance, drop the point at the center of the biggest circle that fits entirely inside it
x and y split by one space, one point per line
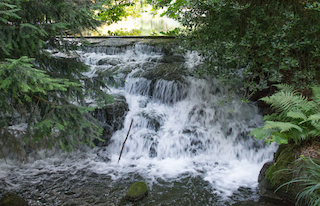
316 95
285 87
296 118
297 115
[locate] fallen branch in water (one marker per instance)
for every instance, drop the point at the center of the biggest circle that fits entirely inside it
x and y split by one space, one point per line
125 141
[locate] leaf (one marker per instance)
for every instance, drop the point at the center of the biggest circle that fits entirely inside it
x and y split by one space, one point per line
279 138
283 126
314 117
260 133
285 87
316 94
297 115
27 25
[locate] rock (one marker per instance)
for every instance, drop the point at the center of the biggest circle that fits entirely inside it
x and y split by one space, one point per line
137 191
112 117
166 71
11 199
263 171
153 150
172 58
266 190
109 61
273 175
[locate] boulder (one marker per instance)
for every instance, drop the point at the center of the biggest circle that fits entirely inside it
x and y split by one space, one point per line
11 199
137 191
109 61
167 71
112 117
274 175
266 190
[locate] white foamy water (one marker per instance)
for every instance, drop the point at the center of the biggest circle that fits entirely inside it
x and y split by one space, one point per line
180 129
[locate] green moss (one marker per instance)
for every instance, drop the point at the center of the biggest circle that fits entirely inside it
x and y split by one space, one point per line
137 191
278 173
281 172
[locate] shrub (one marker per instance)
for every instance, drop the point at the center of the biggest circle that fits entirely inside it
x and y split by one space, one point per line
252 44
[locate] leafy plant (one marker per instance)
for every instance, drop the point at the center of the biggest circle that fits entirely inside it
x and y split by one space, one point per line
308 176
252 44
295 118
121 32
111 11
173 32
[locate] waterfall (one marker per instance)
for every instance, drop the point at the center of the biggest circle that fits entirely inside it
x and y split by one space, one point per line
180 124
182 128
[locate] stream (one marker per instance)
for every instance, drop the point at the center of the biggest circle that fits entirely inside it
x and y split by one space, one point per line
187 143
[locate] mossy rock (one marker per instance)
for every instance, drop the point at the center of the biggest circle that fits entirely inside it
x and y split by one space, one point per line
284 159
11 199
280 172
137 191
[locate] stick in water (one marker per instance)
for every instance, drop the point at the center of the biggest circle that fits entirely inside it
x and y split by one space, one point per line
125 140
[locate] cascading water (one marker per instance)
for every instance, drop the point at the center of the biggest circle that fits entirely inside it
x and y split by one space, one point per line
185 143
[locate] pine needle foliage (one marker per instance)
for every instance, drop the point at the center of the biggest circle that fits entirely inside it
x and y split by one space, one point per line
296 118
43 98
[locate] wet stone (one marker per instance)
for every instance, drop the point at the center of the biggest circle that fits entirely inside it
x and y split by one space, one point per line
112 117
11 199
109 61
153 150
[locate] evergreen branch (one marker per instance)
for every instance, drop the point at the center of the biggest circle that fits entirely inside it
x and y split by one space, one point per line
49 112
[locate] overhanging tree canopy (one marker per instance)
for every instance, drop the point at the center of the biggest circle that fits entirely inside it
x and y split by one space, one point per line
265 42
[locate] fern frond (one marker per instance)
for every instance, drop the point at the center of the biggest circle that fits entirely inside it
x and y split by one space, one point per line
297 115
270 117
260 133
283 126
279 138
316 94
286 101
314 118
314 133
285 87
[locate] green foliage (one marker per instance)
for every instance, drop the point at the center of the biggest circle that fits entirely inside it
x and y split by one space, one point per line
27 26
295 117
173 32
43 98
308 175
112 11
121 32
153 33
252 44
